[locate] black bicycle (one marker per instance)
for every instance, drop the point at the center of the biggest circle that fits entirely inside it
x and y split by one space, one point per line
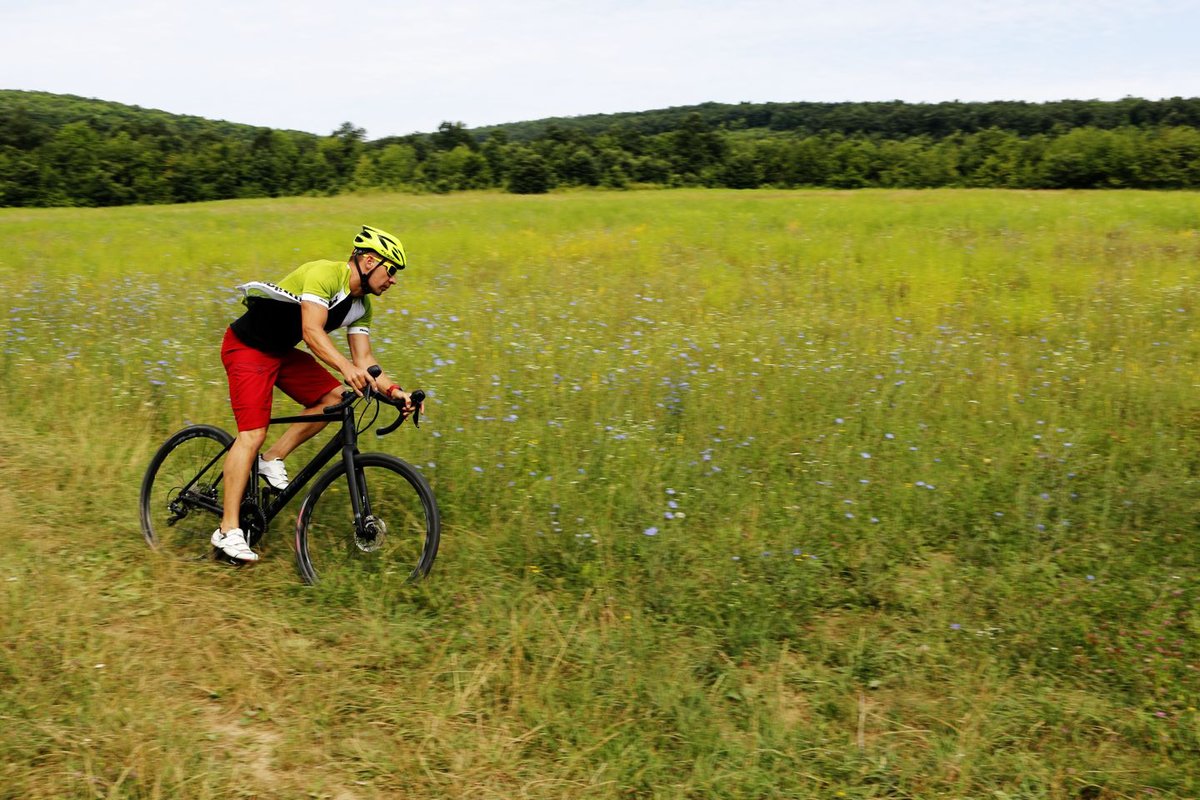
369 512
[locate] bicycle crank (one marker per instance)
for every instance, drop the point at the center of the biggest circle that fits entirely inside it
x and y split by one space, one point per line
253 521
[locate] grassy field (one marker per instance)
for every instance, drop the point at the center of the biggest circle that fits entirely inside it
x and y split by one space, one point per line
746 495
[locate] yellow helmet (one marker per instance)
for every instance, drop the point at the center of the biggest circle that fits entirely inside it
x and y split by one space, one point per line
382 243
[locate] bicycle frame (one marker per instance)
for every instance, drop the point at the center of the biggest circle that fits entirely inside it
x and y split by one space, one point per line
346 442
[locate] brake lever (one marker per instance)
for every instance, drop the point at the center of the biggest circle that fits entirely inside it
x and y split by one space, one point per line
417 398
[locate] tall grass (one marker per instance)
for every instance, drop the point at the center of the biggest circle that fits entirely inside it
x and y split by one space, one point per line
765 494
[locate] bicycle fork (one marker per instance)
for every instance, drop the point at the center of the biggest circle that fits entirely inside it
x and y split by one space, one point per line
360 502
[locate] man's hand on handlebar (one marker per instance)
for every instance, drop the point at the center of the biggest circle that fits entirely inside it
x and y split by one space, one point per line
408 404
358 379
404 401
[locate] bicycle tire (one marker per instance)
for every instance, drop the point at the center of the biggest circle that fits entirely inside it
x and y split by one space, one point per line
327 550
170 524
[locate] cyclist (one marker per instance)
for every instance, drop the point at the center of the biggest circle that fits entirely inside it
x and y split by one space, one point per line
260 352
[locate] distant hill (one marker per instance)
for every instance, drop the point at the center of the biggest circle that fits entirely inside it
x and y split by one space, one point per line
41 114
894 119
64 150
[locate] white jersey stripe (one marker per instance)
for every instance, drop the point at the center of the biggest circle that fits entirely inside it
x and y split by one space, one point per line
316 298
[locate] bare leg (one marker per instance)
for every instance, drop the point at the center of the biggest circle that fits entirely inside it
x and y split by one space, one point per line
237 473
300 432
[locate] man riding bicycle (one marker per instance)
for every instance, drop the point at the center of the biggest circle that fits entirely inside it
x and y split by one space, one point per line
259 353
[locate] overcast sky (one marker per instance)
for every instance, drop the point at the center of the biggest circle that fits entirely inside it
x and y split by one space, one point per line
407 65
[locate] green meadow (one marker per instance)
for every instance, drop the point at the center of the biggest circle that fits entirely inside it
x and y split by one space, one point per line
745 495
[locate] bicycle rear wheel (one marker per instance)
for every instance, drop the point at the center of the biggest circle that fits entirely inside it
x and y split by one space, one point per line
402 533
181 493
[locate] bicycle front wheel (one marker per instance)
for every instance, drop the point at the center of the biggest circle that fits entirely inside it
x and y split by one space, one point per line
400 533
181 493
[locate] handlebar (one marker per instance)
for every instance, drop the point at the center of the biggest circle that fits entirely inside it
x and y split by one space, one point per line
348 398
418 397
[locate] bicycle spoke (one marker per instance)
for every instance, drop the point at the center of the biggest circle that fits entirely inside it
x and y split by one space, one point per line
181 494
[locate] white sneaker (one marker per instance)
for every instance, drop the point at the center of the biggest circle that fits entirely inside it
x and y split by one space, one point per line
233 544
274 472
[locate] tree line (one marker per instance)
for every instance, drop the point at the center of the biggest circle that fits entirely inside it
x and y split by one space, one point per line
58 150
890 120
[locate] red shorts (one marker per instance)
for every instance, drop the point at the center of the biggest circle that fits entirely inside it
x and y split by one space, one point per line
253 374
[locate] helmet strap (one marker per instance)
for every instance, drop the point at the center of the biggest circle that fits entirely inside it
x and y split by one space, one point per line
363 284
362 279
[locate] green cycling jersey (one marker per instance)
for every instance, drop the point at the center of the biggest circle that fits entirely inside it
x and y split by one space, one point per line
272 320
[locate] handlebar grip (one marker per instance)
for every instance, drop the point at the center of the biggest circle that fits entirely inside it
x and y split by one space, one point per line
347 398
374 371
418 397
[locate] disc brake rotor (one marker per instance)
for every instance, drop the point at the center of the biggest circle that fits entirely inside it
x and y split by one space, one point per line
372 535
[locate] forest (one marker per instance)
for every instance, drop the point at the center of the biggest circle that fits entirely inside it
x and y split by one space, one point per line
62 150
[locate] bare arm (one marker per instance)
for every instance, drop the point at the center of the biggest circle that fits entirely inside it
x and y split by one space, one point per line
312 323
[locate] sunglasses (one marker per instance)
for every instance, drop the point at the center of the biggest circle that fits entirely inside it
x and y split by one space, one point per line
391 269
